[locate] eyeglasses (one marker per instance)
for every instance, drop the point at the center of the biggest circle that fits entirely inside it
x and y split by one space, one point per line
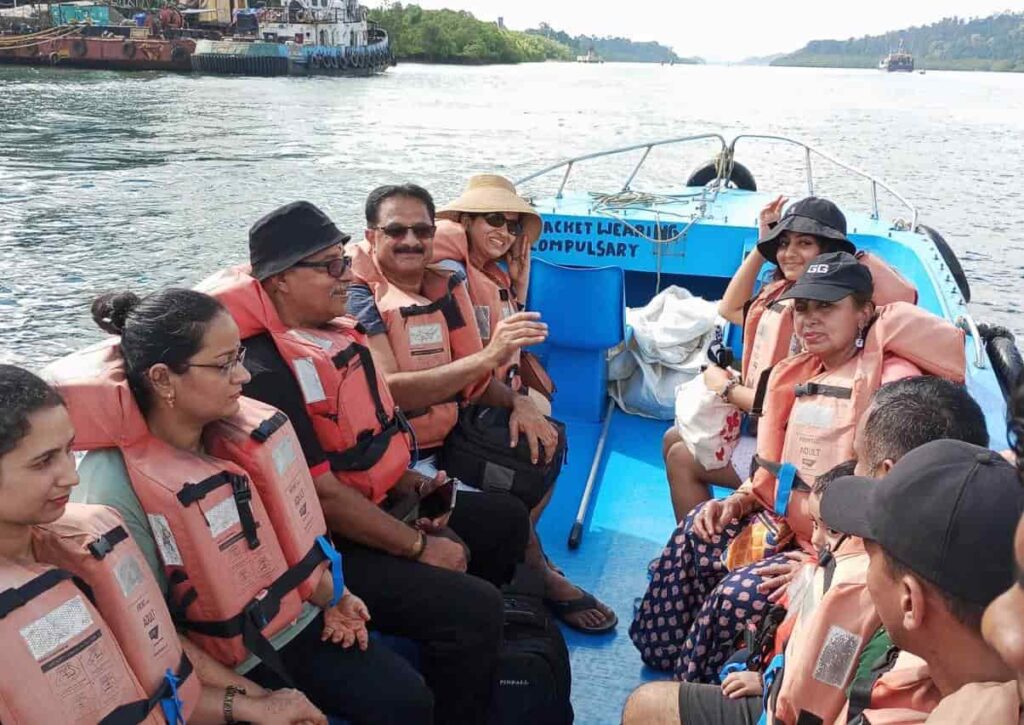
423 232
498 220
225 368
335 266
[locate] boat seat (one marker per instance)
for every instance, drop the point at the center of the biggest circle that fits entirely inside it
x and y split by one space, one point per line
584 309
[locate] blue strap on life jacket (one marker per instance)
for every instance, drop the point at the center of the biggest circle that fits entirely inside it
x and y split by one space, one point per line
171 705
336 576
731 667
768 678
784 487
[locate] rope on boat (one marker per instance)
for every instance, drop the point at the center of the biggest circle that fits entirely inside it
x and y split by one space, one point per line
40 41
607 204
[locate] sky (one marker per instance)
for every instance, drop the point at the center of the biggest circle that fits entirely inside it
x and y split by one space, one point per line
725 31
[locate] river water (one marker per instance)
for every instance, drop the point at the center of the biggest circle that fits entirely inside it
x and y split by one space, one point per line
144 180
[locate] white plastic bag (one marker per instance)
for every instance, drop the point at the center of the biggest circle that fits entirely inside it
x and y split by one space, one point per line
708 425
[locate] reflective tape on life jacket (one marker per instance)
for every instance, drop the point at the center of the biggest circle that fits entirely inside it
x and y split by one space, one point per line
827 641
425 331
92 544
490 290
237 528
810 414
366 438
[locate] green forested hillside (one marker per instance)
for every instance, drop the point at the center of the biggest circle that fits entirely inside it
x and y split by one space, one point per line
447 36
613 49
994 43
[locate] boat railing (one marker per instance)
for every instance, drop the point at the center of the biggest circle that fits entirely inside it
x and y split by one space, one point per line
725 162
809 153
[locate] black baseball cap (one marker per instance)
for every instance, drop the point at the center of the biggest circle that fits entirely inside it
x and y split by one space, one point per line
831 277
947 511
812 215
288 235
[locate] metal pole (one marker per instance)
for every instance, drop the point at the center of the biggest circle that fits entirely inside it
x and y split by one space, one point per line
810 179
874 200
576 534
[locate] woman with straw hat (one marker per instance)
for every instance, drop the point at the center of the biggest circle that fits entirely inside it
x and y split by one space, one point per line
487 233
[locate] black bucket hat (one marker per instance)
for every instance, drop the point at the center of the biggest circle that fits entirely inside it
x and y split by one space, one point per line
812 215
831 277
288 235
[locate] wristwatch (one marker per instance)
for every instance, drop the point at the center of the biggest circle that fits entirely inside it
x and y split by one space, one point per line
229 702
727 388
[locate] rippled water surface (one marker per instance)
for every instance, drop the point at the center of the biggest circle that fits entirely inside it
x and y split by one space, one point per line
142 180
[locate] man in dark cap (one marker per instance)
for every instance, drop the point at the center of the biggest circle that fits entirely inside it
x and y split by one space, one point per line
939 532
413 577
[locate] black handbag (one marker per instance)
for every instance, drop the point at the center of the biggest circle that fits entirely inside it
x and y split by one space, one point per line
478 454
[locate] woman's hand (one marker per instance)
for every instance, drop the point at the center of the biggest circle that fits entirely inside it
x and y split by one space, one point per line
345 622
426 487
280 707
778 576
770 215
716 378
519 267
742 684
716 514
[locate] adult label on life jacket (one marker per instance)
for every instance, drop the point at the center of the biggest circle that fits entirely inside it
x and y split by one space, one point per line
428 334
165 541
309 380
56 628
837 657
222 517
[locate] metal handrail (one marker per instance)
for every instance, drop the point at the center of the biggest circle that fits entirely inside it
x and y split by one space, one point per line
966 323
570 163
727 154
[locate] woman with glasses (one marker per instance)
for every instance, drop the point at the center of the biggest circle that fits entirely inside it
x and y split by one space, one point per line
182 358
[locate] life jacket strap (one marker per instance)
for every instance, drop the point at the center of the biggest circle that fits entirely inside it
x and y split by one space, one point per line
827 391
241 490
262 432
860 691
760 393
446 305
15 598
106 543
166 696
370 447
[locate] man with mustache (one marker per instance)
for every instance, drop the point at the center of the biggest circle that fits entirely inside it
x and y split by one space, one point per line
423 334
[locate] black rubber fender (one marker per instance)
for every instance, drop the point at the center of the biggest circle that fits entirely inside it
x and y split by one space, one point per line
740 177
950 258
178 54
1007 363
128 49
78 48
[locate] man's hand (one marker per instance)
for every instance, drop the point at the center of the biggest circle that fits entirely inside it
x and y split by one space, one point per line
778 576
716 514
737 685
528 421
345 622
280 707
444 553
514 333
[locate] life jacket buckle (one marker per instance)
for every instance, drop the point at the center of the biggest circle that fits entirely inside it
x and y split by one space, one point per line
254 612
101 547
240 489
804 389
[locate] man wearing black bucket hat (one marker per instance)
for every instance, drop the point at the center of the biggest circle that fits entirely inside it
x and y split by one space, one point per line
413 577
939 531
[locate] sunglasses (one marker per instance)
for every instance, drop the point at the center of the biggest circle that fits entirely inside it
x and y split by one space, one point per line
498 220
335 266
225 368
423 232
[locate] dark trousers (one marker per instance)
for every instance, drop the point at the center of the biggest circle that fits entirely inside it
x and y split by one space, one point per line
364 688
456 618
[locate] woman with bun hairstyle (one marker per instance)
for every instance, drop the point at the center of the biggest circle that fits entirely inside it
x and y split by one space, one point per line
182 359
38 477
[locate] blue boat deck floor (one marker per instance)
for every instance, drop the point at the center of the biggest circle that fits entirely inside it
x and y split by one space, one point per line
630 520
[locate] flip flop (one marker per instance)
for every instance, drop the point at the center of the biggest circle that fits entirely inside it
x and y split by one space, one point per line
563 609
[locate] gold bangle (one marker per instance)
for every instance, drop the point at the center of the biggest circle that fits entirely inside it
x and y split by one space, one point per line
419 547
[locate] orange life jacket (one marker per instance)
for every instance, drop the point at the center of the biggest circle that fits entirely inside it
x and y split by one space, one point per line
768 323
239 529
364 435
810 414
827 640
99 648
425 331
490 290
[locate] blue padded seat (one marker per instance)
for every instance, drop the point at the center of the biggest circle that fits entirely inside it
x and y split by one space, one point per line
584 309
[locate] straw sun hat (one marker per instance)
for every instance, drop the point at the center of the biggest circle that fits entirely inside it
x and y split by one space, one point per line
488 193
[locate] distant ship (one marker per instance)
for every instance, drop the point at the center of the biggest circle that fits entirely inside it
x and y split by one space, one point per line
590 57
898 61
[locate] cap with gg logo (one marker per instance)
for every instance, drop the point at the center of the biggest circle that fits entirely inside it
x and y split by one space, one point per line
831 277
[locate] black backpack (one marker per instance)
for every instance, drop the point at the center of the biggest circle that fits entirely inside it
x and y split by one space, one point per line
533 679
477 452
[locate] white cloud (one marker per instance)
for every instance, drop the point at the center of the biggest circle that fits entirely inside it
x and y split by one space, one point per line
726 30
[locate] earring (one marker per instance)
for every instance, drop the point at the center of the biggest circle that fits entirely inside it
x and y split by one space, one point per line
170 401
860 339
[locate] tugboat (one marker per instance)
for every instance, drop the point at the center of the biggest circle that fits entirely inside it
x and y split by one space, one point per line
898 61
95 36
307 37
